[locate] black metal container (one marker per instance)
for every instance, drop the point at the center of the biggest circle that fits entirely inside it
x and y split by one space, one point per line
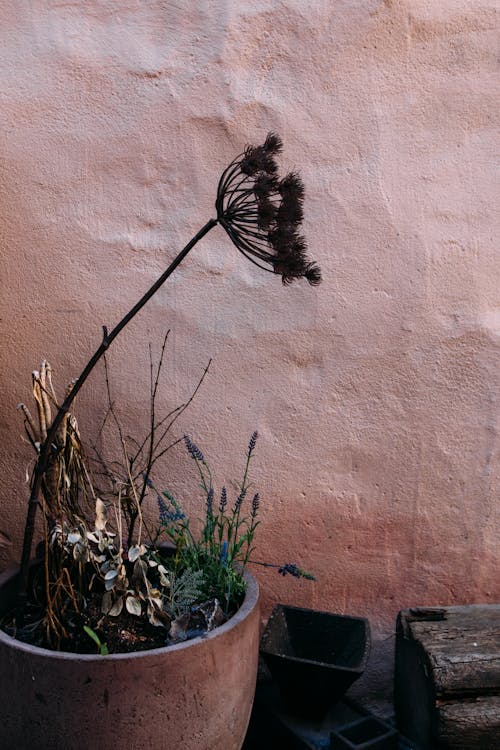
314 657
368 733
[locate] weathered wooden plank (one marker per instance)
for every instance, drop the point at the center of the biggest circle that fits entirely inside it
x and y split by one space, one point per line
463 650
447 689
470 725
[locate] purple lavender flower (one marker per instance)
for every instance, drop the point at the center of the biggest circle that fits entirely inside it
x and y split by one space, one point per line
255 504
167 515
289 568
210 501
251 444
295 571
239 500
193 449
148 480
163 510
223 500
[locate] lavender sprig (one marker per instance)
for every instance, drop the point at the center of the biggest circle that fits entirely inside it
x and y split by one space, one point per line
287 569
223 501
193 449
239 500
210 501
252 442
255 505
165 514
163 511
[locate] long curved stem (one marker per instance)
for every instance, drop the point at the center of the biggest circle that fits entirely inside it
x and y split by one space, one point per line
49 446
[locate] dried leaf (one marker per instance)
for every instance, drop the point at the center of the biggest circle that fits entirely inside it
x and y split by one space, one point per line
135 552
101 515
163 578
133 606
117 607
110 579
153 620
103 543
140 570
178 628
156 616
80 551
106 603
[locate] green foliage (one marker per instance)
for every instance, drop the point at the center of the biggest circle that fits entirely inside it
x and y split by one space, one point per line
116 563
225 544
101 647
186 589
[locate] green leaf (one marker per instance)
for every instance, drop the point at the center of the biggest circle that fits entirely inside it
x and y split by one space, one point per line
103 649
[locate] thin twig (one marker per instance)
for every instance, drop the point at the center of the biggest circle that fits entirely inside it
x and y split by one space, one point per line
49 446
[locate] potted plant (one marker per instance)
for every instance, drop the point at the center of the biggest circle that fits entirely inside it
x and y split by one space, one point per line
196 689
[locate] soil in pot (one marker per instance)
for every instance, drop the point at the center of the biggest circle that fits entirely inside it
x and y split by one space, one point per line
119 633
195 695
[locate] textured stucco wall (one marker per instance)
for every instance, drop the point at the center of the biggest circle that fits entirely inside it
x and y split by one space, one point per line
376 395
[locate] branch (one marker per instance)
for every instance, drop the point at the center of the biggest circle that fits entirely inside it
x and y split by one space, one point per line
49 447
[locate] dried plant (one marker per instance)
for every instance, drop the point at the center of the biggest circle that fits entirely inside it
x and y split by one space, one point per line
262 215
92 551
90 533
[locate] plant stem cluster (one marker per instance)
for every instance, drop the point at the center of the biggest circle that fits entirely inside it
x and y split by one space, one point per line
224 545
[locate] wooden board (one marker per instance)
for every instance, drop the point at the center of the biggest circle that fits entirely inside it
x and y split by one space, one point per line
447 689
471 725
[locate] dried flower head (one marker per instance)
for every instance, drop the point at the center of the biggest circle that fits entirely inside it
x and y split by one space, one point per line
262 213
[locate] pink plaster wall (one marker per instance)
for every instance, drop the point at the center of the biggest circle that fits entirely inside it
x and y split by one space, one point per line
376 395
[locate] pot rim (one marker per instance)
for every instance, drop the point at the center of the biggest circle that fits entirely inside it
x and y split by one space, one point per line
248 604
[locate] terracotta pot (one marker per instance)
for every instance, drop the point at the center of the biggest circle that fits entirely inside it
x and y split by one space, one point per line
196 694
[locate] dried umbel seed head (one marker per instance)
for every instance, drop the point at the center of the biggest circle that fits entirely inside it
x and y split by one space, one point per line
262 213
